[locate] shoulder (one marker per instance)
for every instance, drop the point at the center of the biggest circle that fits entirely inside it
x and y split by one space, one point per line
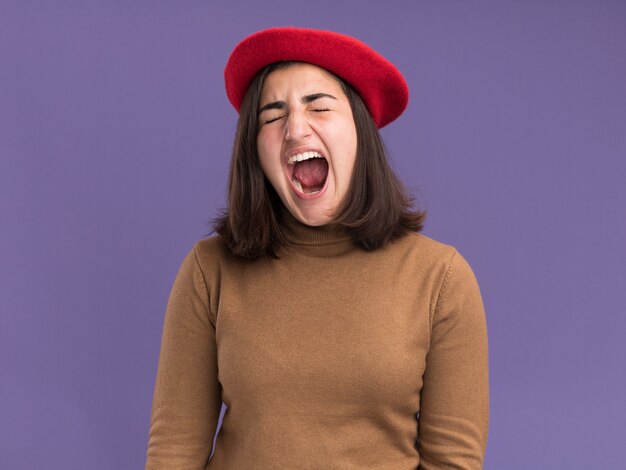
446 267
211 248
457 296
212 254
436 251
425 250
456 267
215 258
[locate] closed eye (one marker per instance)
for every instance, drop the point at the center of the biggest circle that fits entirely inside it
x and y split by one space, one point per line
268 121
271 120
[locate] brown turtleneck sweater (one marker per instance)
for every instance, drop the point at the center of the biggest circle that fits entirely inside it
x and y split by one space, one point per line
324 357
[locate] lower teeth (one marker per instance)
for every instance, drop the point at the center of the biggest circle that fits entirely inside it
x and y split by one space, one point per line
299 187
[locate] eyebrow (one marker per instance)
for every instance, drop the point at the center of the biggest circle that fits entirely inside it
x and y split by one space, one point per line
305 99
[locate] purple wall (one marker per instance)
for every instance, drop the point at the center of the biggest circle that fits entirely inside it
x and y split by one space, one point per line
114 140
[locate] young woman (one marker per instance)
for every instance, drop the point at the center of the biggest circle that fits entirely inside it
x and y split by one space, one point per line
337 335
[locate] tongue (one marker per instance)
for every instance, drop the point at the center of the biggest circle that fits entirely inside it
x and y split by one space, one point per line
311 173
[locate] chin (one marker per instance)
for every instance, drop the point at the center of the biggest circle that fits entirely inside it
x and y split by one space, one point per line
312 219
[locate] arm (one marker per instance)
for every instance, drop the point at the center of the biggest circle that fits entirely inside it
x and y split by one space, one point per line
187 394
454 412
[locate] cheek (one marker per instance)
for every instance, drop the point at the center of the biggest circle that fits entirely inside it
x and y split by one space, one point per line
349 149
270 164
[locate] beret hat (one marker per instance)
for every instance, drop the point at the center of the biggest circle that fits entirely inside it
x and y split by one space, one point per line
379 83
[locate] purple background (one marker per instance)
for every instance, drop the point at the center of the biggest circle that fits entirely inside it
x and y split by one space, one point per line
115 134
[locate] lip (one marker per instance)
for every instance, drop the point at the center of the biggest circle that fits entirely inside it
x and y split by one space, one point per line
289 172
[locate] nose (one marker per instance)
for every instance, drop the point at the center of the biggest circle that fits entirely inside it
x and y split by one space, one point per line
296 126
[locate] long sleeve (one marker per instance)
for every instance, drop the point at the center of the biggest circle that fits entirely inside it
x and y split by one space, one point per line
187 394
454 411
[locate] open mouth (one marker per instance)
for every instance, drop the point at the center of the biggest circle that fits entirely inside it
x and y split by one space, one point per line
309 171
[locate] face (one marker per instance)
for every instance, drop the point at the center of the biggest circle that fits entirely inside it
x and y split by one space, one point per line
306 141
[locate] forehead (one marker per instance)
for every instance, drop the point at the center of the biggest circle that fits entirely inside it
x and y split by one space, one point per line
301 78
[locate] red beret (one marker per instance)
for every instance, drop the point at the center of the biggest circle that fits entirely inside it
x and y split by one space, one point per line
378 81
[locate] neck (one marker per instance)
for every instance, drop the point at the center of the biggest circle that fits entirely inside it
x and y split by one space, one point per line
324 238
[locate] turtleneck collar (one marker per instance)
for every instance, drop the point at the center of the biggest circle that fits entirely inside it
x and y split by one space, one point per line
326 239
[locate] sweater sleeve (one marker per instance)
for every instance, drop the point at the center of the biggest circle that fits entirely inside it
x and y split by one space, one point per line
187 394
454 409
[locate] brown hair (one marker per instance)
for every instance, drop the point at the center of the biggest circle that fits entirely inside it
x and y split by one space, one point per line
376 209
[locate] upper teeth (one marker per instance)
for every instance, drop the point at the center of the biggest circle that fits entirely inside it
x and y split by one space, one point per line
302 156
